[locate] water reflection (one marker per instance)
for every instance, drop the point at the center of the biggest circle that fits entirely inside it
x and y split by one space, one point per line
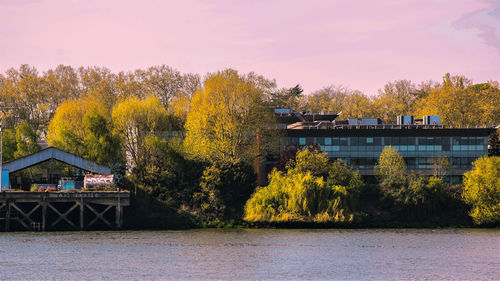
253 254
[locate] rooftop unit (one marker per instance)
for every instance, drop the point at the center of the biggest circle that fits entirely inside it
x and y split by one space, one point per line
405 119
431 120
365 121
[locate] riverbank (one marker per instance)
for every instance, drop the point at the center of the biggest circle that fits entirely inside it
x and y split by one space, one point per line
149 214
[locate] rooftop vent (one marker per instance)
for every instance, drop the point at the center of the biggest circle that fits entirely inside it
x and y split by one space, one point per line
431 120
405 119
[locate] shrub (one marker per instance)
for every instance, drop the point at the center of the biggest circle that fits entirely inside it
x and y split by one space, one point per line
419 198
482 190
224 189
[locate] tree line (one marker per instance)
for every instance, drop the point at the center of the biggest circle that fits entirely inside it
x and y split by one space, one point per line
314 190
193 144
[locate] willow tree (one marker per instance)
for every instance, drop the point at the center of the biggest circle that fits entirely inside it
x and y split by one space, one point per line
228 121
312 190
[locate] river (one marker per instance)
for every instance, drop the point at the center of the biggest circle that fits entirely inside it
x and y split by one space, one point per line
370 254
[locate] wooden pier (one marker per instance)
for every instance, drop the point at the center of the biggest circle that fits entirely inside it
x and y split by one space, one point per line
41 211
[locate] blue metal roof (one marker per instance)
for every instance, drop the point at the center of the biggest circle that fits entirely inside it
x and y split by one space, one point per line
56 154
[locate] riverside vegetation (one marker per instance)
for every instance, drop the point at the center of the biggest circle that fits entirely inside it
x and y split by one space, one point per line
189 147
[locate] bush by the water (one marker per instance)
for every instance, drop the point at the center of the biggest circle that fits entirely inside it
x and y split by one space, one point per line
482 190
224 189
414 198
419 197
312 190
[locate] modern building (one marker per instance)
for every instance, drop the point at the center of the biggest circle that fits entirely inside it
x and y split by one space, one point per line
360 141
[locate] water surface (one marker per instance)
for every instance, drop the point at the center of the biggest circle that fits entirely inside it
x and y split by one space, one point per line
253 254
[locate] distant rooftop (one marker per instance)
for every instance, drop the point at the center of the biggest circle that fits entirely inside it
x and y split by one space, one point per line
288 116
327 120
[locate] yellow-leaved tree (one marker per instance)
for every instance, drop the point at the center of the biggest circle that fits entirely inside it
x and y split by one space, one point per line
462 104
391 167
83 127
66 130
135 120
482 190
395 99
227 120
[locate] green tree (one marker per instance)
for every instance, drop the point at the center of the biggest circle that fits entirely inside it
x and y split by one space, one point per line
101 145
482 190
286 98
168 176
226 116
419 198
9 144
309 160
341 174
225 187
26 139
391 167
494 143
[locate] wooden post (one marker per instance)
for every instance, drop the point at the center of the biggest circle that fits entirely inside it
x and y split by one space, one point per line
44 214
7 217
82 206
44 211
118 213
121 216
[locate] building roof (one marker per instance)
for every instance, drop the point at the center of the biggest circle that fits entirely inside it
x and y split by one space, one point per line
56 154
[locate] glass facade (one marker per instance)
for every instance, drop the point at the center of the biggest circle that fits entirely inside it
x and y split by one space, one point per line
419 152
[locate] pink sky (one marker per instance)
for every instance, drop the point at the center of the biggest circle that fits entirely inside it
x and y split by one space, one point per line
358 44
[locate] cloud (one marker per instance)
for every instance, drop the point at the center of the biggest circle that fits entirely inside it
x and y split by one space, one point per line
486 21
